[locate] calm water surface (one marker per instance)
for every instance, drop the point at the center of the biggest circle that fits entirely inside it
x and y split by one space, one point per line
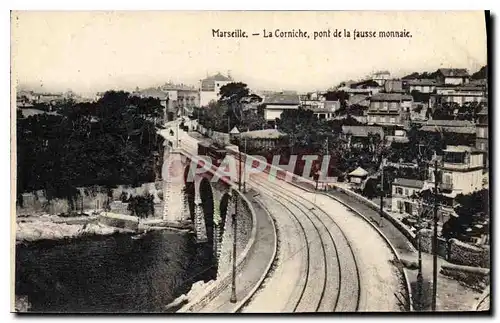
111 274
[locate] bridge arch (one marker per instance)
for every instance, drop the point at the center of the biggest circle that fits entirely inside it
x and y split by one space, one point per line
224 210
207 204
189 194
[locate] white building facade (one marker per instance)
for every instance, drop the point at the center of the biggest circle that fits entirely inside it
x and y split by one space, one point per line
210 88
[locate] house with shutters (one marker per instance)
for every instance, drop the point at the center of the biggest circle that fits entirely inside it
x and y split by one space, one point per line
452 76
389 109
275 104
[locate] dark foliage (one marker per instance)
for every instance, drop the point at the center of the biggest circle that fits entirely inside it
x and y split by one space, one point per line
481 74
109 142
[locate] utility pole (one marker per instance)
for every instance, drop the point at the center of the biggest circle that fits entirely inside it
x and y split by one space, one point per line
233 284
244 169
328 167
381 192
435 238
419 275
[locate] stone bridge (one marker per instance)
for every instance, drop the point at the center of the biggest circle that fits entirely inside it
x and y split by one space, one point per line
197 196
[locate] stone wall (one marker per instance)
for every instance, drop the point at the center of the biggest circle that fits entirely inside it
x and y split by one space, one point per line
474 277
91 198
426 236
465 254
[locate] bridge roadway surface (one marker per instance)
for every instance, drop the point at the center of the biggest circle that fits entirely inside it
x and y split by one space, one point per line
329 259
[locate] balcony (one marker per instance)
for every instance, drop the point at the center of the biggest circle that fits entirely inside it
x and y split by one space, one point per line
455 166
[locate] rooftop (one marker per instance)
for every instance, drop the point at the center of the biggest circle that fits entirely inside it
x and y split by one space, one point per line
464 130
422 82
217 77
362 131
360 172
282 99
152 92
450 123
391 97
381 73
454 72
360 99
413 183
263 134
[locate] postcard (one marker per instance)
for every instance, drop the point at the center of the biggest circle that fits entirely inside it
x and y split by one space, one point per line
250 161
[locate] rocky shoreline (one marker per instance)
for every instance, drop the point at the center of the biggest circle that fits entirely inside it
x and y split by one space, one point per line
56 228
31 229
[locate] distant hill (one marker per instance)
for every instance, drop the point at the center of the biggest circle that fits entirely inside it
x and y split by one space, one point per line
416 75
481 74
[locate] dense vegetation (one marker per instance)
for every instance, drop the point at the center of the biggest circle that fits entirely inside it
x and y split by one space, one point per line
109 142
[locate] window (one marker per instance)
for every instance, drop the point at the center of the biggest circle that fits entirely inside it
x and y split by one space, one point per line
454 157
400 206
406 192
446 178
393 120
399 190
385 106
382 119
394 106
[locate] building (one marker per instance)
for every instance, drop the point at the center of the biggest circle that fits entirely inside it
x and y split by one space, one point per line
389 108
458 94
393 86
210 88
452 76
422 85
357 176
263 139
482 134
326 111
482 130
381 77
182 98
275 104
461 169
358 136
403 195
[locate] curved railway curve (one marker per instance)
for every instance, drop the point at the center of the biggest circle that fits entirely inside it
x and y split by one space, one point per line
330 279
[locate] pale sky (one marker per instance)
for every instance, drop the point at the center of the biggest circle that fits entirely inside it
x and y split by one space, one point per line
96 51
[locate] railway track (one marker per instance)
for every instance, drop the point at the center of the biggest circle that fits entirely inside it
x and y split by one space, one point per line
332 277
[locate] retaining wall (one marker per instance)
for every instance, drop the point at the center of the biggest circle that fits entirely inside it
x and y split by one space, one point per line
465 254
475 277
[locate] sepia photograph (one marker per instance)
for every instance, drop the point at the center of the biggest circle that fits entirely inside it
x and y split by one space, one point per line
272 162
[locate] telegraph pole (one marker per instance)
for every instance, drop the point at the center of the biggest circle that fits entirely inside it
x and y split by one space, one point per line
233 284
435 238
244 169
419 275
381 192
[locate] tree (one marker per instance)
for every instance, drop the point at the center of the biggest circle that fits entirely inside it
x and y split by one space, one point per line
109 142
232 95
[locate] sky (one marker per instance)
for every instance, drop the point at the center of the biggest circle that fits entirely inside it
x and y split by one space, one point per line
97 51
